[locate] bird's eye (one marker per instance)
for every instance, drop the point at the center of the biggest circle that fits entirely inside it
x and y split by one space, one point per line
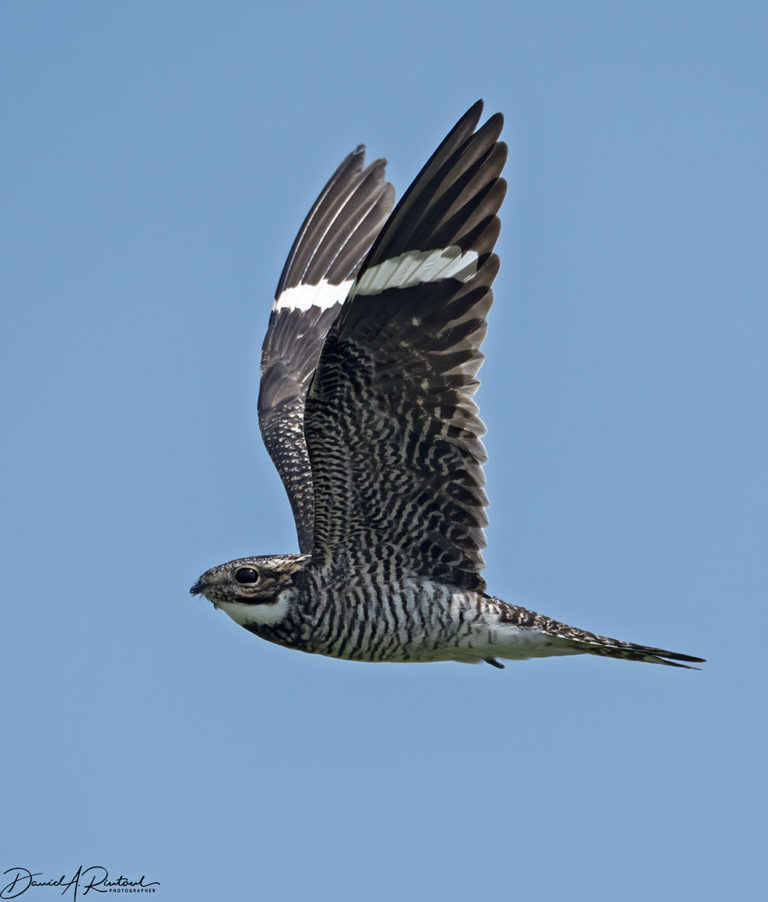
247 575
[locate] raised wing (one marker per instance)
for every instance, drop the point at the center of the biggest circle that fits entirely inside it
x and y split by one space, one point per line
392 430
333 241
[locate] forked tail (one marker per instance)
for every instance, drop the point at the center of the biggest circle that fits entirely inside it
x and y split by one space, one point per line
614 648
564 639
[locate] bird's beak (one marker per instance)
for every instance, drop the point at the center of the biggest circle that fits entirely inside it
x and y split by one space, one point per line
197 589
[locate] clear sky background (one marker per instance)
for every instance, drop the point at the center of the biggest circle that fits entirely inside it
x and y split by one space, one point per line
157 160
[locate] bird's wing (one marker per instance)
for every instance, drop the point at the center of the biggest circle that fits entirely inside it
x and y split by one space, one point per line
332 243
391 426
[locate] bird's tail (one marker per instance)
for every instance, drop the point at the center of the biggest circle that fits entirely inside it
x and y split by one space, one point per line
615 648
565 639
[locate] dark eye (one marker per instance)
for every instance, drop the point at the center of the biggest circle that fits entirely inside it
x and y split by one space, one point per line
247 575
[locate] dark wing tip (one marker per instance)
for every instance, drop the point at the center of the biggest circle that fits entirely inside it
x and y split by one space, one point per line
350 181
454 199
473 114
476 110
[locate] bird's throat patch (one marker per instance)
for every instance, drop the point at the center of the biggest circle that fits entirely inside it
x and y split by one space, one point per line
262 614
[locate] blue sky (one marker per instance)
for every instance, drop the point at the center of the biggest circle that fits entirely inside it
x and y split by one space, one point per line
158 160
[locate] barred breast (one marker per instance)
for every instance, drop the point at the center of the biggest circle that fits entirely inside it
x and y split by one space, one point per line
412 620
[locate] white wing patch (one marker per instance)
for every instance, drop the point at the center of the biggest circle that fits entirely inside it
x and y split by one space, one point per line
416 267
302 297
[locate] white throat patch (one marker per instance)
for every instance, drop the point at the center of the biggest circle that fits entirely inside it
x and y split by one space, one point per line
258 614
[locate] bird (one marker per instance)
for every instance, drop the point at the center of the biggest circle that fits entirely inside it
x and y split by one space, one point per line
366 407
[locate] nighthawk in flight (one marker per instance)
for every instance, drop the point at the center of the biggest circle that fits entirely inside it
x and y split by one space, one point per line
366 407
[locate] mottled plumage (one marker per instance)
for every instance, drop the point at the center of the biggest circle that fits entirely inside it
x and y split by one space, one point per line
325 257
366 407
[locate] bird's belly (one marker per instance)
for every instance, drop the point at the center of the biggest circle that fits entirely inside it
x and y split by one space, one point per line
418 621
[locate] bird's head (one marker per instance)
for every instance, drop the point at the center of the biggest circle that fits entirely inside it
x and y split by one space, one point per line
254 591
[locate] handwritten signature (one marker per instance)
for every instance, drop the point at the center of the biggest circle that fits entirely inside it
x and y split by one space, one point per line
94 878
